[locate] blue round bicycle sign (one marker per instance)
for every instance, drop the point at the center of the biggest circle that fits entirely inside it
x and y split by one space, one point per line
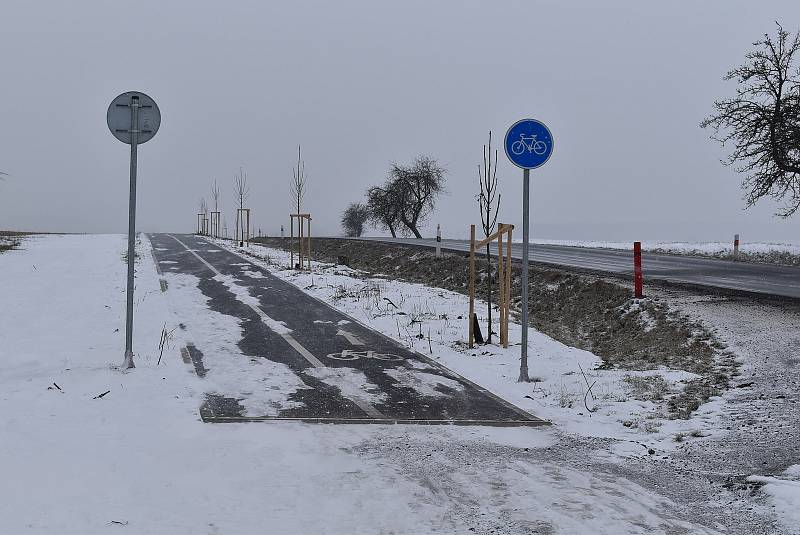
529 143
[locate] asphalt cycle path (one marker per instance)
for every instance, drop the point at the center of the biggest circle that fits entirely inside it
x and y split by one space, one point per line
283 324
749 277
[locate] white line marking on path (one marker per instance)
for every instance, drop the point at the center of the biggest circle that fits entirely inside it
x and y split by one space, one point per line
350 337
270 323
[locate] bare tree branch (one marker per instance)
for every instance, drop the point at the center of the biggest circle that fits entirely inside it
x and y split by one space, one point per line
762 122
383 213
215 195
413 190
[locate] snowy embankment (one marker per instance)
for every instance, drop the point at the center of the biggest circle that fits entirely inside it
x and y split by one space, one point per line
7 242
88 448
785 492
569 389
777 253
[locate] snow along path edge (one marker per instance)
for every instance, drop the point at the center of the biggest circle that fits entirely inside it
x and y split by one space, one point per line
279 328
530 419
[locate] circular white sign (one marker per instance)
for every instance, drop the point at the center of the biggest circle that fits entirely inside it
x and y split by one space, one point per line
121 112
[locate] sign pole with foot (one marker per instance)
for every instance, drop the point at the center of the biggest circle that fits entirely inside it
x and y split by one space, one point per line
133 118
529 145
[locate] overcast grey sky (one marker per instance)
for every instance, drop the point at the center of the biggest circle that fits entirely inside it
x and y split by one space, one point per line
622 86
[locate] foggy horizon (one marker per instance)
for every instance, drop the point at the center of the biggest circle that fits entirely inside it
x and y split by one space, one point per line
359 85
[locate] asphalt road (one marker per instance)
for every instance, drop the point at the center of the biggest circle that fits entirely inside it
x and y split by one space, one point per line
766 279
283 324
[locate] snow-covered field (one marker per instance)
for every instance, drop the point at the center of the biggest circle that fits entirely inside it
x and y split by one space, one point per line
687 248
139 460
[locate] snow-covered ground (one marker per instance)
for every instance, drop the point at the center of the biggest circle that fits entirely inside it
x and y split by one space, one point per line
785 492
430 321
7 240
139 460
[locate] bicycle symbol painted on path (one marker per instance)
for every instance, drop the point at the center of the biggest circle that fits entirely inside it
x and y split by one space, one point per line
530 143
355 355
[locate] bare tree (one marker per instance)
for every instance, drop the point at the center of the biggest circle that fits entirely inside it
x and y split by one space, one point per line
762 122
489 204
240 187
242 193
413 189
204 212
383 213
298 184
215 195
353 219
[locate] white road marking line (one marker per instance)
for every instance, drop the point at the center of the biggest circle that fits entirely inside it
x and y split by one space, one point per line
350 337
314 361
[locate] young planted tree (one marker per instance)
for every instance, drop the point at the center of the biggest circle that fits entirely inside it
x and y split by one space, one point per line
413 190
215 195
204 211
489 204
353 219
761 122
298 192
383 212
242 191
240 187
298 183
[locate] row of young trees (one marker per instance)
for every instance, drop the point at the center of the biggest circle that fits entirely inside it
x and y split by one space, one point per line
241 193
297 187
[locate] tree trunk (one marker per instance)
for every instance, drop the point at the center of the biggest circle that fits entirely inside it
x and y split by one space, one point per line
411 225
489 293
391 229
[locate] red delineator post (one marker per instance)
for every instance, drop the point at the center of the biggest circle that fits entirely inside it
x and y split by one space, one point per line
637 269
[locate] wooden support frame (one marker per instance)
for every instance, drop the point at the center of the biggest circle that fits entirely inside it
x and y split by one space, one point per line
201 217
215 226
242 234
504 231
303 247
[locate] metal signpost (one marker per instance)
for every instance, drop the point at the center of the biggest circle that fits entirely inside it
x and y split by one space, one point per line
529 145
133 118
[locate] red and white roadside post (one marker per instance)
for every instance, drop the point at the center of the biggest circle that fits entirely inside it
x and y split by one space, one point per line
736 247
438 241
637 269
